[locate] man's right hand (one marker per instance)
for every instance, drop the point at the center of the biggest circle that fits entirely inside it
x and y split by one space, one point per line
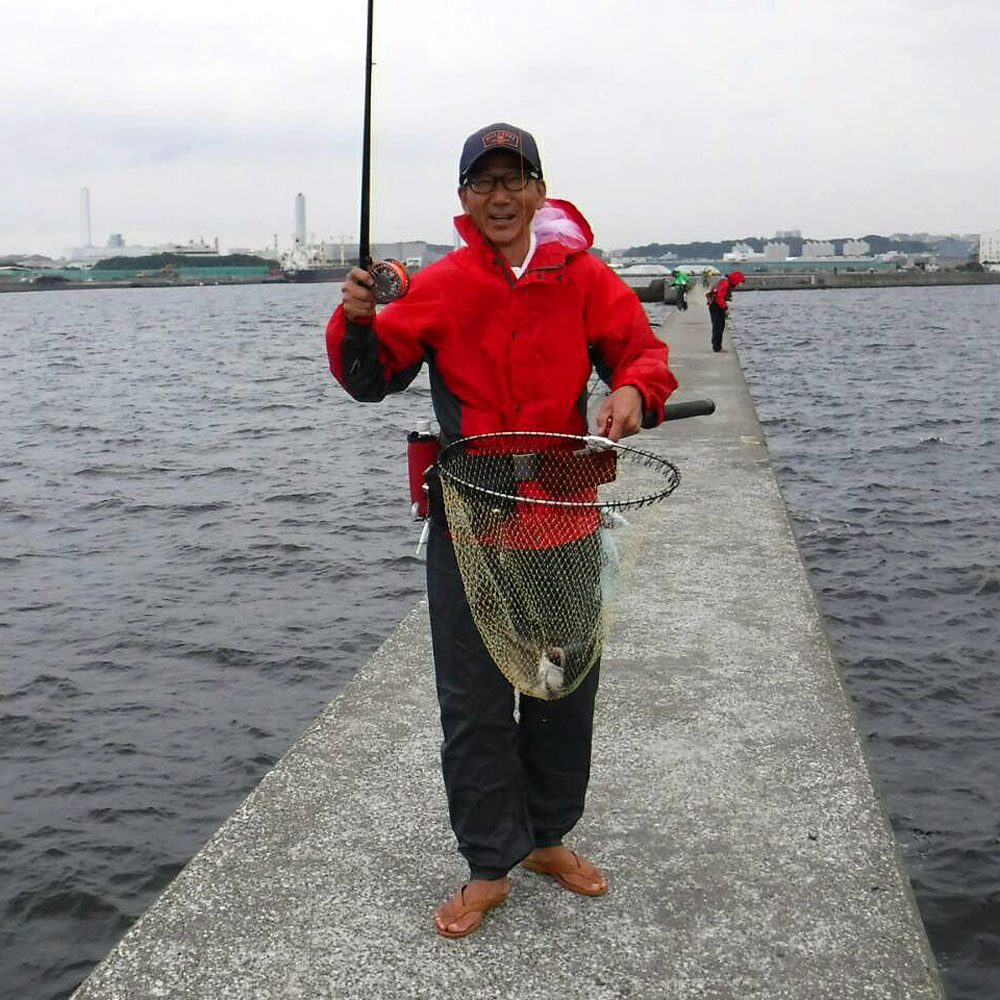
358 298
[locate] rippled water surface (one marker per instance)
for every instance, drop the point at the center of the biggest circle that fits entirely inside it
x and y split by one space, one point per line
201 538
880 409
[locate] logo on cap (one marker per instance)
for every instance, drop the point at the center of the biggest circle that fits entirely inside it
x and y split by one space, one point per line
501 137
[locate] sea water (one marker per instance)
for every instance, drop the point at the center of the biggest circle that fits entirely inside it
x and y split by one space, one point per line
202 537
880 411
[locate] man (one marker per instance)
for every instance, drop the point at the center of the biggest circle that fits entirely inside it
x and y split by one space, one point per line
718 306
680 288
511 326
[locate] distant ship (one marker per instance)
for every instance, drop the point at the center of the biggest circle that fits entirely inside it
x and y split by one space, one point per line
330 272
312 263
308 261
319 272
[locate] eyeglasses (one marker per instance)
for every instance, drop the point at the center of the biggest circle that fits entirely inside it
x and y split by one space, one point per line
513 180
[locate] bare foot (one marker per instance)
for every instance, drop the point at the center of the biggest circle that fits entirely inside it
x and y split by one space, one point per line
568 868
463 913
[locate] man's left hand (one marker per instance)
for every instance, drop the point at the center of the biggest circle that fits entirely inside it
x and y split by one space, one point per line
620 414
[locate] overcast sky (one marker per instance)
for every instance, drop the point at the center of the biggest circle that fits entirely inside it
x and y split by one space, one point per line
661 121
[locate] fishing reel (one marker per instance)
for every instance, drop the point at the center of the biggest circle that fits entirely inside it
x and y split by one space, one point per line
391 280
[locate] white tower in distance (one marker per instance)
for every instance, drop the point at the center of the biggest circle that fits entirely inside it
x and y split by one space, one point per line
300 220
85 217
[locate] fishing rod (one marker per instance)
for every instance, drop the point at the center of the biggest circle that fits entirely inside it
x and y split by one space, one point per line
391 280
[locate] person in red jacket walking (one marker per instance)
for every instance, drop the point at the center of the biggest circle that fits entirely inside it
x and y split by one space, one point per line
718 305
511 326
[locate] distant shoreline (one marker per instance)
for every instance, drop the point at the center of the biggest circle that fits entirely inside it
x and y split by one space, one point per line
28 286
654 291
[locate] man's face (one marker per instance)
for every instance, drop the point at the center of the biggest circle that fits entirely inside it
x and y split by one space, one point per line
503 216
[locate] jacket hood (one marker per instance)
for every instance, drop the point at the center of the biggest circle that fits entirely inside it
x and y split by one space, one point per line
555 222
735 277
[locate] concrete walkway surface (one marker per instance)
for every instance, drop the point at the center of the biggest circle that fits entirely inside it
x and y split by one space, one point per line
730 805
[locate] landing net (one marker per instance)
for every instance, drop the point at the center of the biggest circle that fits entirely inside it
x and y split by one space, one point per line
532 517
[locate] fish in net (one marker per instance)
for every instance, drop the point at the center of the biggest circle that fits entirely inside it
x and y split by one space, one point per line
531 516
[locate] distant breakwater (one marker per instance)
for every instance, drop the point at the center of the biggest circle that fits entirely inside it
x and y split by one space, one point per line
662 289
865 279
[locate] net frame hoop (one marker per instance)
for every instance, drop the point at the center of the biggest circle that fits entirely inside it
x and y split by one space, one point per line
647 458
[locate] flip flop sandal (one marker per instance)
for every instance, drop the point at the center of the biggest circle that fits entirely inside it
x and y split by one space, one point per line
575 879
464 908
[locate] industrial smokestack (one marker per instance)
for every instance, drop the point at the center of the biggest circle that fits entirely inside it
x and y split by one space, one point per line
300 220
85 217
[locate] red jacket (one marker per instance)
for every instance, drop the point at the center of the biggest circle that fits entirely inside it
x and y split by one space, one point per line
506 353
723 291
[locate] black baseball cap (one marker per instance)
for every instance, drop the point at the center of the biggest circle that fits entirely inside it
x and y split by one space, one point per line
499 135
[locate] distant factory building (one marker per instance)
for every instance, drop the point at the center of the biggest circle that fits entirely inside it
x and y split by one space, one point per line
117 247
989 250
773 251
413 253
856 248
192 248
817 249
954 247
87 254
740 251
788 234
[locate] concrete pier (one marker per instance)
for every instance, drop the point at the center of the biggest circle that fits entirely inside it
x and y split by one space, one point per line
731 806
827 278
